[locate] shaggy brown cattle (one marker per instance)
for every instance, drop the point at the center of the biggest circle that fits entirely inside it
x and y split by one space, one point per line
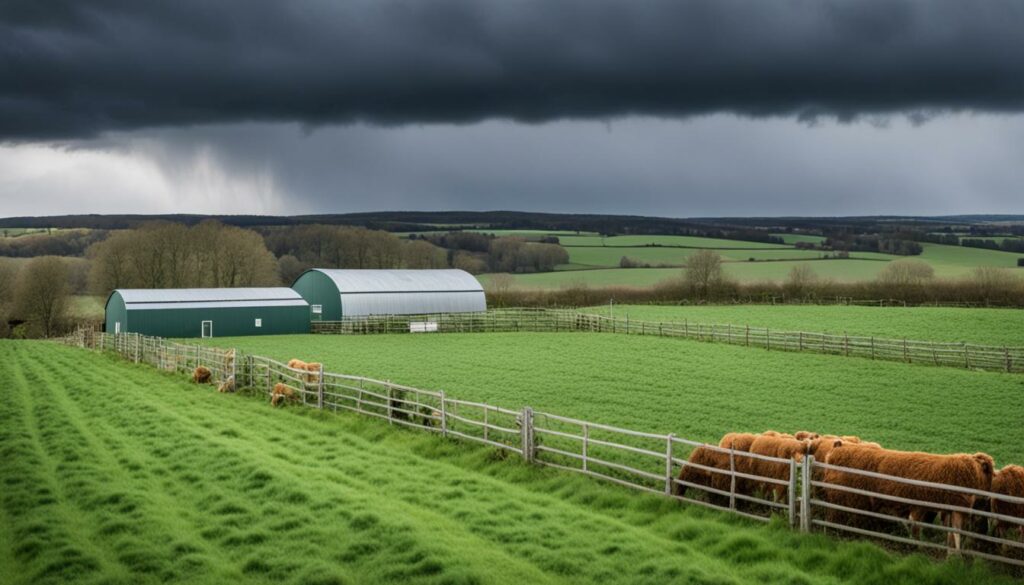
296 364
1008 481
201 375
313 377
969 471
962 470
227 385
805 435
853 456
775 446
281 394
708 457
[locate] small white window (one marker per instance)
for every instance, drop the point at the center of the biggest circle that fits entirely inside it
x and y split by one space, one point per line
259 322
317 309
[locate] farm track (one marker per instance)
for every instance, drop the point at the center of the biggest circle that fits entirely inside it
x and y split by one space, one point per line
117 474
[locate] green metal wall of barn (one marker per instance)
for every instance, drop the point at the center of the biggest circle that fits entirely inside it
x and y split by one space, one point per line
228 321
318 289
115 313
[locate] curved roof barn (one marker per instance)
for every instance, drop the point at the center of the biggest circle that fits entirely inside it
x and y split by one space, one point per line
205 312
341 293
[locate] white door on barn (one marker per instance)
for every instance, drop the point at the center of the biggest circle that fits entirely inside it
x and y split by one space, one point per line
207 328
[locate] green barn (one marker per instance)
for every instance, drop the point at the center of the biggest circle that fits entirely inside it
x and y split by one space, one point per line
207 312
335 294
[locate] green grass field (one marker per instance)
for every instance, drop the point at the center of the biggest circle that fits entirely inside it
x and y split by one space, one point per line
981 326
87 306
840 270
682 241
114 473
696 390
610 257
794 238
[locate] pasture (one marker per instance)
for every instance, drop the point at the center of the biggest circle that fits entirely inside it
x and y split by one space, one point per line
697 390
840 270
594 260
978 326
115 473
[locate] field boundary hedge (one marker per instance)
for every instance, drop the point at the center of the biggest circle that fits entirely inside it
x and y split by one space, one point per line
650 462
961 355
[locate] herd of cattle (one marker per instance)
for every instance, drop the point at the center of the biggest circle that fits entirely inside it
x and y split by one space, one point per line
739 465
714 468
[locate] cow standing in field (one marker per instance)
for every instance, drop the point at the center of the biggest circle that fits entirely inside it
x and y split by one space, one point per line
1008 481
716 459
201 375
959 470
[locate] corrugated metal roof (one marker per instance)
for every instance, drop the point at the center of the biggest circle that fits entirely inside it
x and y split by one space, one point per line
401 281
172 296
406 292
208 304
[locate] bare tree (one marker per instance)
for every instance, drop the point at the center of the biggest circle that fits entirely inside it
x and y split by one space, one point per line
906 273
704 273
423 254
41 295
801 281
500 284
468 262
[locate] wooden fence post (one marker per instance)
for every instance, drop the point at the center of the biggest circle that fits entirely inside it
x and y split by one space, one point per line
1006 352
320 389
906 356
527 433
668 464
732 478
792 493
444 415
805 494
586 445
872 347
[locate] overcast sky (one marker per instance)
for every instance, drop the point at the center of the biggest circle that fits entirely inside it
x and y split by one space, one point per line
660 107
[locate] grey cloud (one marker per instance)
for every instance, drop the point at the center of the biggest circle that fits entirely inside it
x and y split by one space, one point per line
72 69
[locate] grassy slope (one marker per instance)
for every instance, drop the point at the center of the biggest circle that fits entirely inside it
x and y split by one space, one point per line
120 474
983 326
959 261
696 390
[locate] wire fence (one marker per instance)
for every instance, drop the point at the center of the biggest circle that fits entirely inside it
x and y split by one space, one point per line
808 494
961 355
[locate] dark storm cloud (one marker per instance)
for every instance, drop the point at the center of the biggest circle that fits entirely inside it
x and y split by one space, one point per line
77 68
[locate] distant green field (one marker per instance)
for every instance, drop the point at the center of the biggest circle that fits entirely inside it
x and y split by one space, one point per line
696 390
981 326
607 256
840 270
114 473
959 260
15 232
87 306
683 241
794 238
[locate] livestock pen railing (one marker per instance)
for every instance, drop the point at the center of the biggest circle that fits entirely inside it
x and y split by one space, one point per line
962 355
751 485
